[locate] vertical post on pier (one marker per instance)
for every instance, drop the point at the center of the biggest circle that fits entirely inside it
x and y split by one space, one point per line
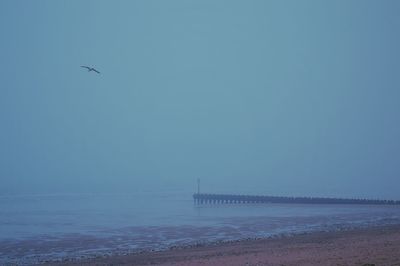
198 185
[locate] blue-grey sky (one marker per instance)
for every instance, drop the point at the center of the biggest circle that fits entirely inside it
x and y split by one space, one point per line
269 97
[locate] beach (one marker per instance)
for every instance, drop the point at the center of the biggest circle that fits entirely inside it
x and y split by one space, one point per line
379 245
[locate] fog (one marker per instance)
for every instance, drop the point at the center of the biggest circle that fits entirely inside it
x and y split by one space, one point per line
258 97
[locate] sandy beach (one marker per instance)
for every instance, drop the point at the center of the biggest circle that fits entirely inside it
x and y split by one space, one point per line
372 246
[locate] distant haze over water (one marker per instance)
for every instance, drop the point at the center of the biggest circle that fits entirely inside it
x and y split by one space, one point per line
296 98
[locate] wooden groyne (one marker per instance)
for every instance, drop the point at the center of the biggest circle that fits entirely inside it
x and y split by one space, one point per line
201 198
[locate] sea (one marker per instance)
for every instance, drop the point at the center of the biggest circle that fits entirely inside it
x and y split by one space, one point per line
55 227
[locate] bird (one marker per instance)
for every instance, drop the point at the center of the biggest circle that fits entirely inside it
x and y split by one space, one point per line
91 69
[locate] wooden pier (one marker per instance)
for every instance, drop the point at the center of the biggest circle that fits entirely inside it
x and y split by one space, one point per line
201 198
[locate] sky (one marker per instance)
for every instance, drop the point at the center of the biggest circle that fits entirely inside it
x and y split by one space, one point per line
258 97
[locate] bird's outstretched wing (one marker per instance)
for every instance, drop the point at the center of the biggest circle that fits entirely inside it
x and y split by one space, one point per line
91 69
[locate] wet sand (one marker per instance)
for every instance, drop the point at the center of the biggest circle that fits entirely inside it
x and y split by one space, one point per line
372 246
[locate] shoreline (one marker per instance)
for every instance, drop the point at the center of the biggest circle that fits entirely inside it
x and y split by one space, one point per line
379 245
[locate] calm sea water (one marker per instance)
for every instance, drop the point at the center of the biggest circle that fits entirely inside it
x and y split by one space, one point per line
37 228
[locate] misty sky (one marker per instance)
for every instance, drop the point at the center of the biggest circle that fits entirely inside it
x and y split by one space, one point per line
268 97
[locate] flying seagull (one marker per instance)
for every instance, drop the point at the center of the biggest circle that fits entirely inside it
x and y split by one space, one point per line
91 69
